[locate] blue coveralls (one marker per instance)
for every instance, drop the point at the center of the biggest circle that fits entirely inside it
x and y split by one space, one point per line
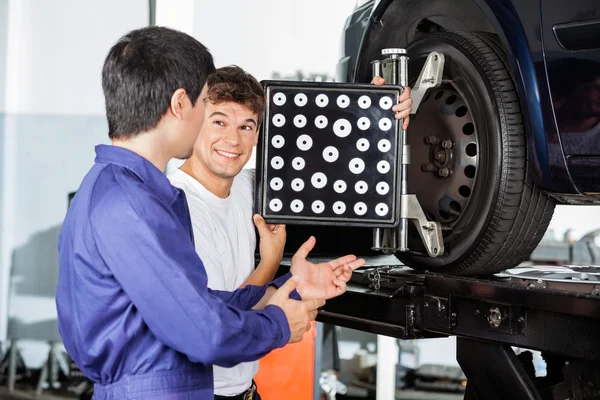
134 309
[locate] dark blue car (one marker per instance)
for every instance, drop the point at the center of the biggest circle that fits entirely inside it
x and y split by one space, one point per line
520 102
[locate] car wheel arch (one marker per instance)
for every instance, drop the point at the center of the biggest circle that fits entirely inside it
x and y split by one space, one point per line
398 23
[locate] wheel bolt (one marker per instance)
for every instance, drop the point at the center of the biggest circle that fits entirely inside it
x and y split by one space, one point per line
444 172
431 139
428 167
447 144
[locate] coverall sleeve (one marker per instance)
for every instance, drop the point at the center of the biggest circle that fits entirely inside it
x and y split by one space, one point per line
151 255
247 297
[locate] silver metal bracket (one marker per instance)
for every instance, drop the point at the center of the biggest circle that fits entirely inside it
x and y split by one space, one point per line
430 231
394 70
430 77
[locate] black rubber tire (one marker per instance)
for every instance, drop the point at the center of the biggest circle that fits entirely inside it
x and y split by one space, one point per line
507 215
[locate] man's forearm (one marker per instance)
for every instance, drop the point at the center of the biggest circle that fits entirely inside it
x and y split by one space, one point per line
263 274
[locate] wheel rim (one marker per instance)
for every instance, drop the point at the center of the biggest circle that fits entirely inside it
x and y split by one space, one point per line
444 155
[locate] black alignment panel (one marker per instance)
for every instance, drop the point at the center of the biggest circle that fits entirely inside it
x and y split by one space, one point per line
328 155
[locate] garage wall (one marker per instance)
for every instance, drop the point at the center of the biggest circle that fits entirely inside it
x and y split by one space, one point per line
273 38
3 37
4 272
53 117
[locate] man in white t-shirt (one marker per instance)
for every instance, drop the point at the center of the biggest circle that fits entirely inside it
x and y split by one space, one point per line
220 198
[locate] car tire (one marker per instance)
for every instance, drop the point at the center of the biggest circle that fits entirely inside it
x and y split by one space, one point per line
493 216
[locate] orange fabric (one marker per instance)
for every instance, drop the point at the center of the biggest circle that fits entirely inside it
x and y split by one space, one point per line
288 372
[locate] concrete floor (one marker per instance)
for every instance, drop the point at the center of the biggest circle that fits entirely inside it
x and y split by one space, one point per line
400 395
30 394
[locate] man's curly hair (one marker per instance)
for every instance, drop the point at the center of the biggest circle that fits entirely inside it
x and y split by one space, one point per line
233 84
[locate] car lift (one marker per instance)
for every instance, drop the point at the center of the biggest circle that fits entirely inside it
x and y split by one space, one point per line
554 310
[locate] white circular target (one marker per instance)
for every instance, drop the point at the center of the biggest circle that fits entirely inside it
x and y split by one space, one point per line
322 100
385 103
343 101
364 102
318 207
304 142
321 121
297 205
381 209
339 207
297 184
384 145
330 154
362 144
342 128
360 208
300 99
276 184
383 167
356 165
382 188
275 205
339 186
279 99
298 163
319 180
361 187
363 123
277 162
299 121
385 124
277 141
278 120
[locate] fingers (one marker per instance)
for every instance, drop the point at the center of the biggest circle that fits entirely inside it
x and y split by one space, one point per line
343 273
339 262
276 228
340 286
377 80
356 264
403 109
306 248
406 94
312 305
312 315
260 224
288 287
405 123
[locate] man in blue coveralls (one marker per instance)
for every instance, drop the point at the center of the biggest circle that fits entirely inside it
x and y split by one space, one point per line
133 305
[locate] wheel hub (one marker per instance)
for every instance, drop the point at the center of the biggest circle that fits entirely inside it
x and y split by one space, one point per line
445 146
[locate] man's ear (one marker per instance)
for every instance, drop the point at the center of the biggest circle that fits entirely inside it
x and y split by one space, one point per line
178 103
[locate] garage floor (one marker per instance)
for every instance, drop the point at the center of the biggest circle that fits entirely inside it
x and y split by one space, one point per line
400 395
29 394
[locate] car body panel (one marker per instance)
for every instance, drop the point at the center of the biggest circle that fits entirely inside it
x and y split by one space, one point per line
518 25
571 36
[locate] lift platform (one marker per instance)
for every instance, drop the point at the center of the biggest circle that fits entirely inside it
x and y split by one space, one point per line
555 310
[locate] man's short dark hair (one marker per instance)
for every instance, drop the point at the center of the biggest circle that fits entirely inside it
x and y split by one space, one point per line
143 70
233 84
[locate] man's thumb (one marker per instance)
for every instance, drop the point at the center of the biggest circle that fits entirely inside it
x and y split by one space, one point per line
260 223
289 286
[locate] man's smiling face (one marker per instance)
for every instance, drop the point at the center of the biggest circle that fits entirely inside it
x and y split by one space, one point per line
226 139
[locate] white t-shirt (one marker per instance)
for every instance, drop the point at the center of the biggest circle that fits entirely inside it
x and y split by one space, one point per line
225 241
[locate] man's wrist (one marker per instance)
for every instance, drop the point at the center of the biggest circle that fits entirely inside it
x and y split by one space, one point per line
270 261
277 283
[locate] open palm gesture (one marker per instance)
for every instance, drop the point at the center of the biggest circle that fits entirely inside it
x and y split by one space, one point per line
325 280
